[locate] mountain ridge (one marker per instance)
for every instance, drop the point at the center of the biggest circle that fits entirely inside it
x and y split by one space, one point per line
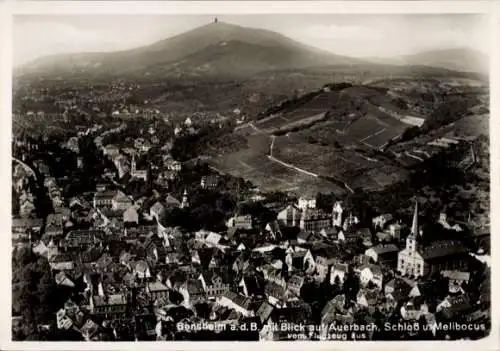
169 51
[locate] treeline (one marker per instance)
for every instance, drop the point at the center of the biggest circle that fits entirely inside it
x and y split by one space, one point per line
299 101
208 139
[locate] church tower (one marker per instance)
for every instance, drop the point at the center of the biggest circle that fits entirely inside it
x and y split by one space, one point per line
133 166
411 240
185 202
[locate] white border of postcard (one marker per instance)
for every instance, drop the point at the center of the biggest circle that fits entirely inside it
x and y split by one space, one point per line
10 8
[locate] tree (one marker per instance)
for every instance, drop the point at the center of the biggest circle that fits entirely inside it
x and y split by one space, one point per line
34 291
351 286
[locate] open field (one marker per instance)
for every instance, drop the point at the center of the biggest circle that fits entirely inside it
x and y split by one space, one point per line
253 164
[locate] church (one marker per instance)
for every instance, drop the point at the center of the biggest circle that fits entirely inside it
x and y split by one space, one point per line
418 260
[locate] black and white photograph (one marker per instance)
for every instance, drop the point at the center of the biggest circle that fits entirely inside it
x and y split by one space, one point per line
250 177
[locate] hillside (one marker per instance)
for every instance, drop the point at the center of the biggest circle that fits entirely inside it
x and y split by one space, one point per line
457 59
217 48
355 136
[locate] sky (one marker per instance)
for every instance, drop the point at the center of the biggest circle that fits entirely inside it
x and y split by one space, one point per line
357 35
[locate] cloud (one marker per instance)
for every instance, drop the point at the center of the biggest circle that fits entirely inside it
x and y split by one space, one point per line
35 39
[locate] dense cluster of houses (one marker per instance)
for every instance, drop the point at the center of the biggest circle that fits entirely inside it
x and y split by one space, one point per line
134 273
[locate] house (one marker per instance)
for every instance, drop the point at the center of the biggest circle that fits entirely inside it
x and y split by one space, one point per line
337 214
111 150
104 198
41 249
332 308
26 208
370 273
398 289
384 254
114 304
350 222
63 280
330 233
157 290
414 310
213 284
302 260
305 202
155 248
274 229
251 285
54 226
418 260
25 225
172 202
61 262
379 222
193 292
276 294
367 297
63 320
338 273
454 306
157 211
394 230
326 257
141 270
264 313
240 222
290 216
209 181
89 330
120 201
237 302
456 279
314 220
83 238
295 284
274 275
131 216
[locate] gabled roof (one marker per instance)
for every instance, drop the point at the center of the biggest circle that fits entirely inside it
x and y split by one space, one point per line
376 270
264 311
157 207
383 249
194 286
443 248
254 285
238 299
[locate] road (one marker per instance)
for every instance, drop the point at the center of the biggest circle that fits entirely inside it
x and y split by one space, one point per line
26 167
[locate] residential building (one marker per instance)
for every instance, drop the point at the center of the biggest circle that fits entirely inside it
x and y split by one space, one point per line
104 198
108 305
385 254
120 201
213 284
209 181
157 290
314 220
240 222
305 203
290 216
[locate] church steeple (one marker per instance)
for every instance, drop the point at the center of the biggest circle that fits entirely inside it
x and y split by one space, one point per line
411 240
133 166
414 225
185 201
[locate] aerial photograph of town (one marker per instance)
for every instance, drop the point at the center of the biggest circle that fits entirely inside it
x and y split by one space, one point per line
258 177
